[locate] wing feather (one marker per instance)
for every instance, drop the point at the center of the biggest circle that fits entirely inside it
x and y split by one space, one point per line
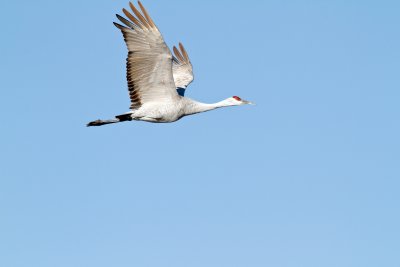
126 22
139 16
182 69
149 62
132 18
184 53
146 14
178 55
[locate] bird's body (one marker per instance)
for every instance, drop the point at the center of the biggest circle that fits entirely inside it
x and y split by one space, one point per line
157 80
161 112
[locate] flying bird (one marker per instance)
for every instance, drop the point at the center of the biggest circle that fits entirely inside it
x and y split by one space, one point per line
157 79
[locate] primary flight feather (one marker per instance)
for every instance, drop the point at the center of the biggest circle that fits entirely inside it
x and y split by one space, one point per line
157 80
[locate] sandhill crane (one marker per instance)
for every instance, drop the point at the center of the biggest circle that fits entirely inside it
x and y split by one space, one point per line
157 79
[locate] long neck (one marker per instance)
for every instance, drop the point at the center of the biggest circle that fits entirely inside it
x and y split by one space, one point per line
194 107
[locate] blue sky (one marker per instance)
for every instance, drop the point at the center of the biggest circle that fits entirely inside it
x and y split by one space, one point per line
308 177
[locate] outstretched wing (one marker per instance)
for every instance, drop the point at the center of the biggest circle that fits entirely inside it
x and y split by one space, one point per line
182 69
149 62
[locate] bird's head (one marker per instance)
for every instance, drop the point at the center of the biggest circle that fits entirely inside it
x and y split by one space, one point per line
237 101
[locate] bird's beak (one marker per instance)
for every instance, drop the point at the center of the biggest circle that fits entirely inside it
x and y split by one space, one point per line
245 102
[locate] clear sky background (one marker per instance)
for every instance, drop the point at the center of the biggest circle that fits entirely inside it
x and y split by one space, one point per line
308 177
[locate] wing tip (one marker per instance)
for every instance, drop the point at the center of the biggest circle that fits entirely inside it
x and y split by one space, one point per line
178 55
119 26
139 16
181 54
149 20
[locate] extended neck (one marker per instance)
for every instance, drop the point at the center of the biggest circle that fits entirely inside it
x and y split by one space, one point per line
198 107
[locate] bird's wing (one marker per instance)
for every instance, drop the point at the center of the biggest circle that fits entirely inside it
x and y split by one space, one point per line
149 62
182 69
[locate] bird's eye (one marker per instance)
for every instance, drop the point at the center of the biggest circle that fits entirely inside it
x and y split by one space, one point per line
237 98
